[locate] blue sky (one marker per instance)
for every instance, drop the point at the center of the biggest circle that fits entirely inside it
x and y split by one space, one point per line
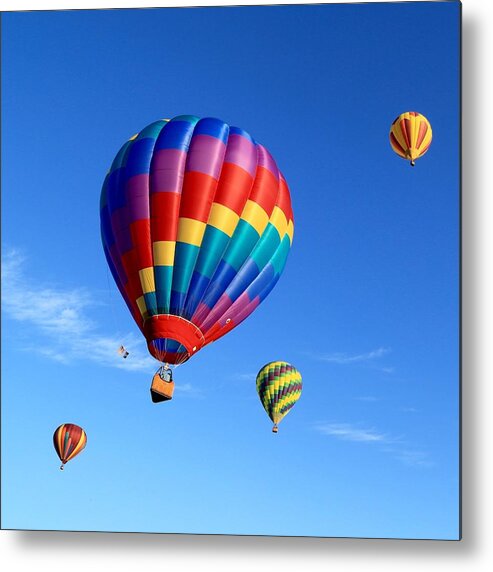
367 308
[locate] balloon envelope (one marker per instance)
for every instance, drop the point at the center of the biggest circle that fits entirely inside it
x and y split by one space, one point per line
410 135
279 387
69 440
196 225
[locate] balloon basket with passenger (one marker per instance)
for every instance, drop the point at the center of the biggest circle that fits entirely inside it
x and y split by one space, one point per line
162 385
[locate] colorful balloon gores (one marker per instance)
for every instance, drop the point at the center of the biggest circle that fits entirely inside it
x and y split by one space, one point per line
279 387
196 225
410 136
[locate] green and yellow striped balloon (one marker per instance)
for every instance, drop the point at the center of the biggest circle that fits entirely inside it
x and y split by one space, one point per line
279 388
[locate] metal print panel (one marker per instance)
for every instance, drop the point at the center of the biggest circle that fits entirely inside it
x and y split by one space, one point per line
230 270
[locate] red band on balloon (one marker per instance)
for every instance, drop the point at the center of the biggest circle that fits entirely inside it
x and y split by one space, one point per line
174 328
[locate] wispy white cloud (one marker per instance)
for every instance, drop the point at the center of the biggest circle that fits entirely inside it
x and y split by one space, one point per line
60 316
385 442
52 311
345 358
349 432
412 457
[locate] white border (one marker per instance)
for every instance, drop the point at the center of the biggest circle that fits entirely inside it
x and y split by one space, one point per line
74 552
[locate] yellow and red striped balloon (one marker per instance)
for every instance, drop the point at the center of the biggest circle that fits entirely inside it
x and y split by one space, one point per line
410 135
69 440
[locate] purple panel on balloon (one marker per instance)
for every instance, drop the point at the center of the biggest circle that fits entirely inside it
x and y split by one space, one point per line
265 160
243 307
167 168
206 155
119 219
222 306
242 152
201 314
138 197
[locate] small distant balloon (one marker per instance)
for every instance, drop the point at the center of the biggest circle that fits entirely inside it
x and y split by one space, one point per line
279 388
69 440
123 352
410 135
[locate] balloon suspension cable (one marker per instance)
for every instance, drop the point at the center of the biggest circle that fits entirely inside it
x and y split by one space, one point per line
162 352
183 359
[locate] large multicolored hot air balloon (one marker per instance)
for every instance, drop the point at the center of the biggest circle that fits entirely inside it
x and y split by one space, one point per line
279 388
69 440
410 135
196 225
